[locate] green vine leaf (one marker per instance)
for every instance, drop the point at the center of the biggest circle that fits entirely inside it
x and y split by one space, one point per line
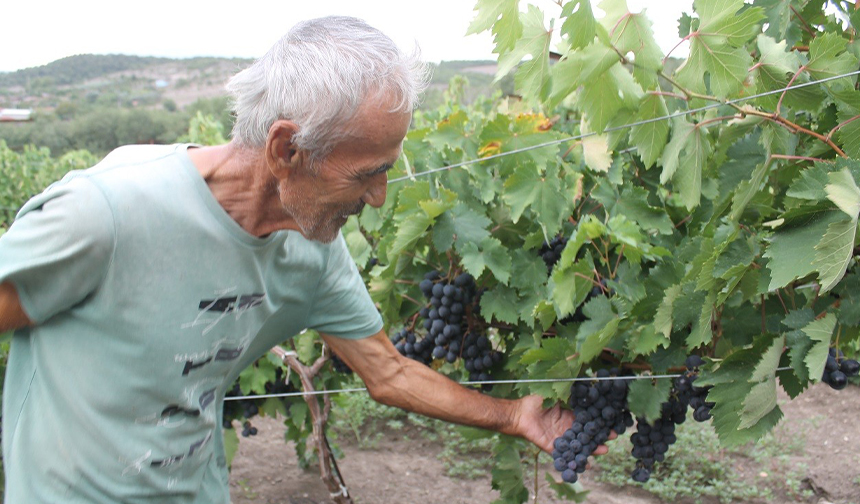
533 76
650 138
503 18
526 188
491 255
579 24
819 332
834 252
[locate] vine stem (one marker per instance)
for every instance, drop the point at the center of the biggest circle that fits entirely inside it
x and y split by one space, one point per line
319 416
537 454
570 149
717 119
803 21
671 81
409 298
618 261
683 221
769 116
840 125
668 94
798 158
590 279
688 37
793 126
779 295
793 78
689 94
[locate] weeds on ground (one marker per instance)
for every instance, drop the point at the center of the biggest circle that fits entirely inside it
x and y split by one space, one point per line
465 452
360 416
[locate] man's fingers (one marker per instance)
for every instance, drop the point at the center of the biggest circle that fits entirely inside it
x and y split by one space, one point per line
612 435
601 450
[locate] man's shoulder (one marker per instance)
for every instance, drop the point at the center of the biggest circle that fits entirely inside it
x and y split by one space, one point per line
129 155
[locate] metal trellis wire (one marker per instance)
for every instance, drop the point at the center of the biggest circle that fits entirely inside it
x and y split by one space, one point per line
487 382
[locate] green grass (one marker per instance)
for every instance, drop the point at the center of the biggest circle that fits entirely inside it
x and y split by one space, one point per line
695 467
465 452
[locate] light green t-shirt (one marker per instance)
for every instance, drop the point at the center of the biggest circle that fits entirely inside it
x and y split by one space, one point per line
148 301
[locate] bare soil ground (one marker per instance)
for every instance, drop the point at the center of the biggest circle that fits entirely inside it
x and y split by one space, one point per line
404 471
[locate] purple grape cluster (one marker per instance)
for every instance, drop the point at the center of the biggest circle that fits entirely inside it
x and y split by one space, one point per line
599 406
551 252
652 441
691 394
339 365
250 407
448 335
410 345
838 369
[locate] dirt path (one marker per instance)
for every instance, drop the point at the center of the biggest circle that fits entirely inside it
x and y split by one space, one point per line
408 471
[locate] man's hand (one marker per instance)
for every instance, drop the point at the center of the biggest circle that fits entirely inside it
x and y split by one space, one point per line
542 426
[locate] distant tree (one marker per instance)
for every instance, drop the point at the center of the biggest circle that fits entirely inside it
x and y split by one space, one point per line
66 110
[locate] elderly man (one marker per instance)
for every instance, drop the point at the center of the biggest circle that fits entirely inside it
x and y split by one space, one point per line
141 287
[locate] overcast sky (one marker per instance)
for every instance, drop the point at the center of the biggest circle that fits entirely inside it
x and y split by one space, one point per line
34 33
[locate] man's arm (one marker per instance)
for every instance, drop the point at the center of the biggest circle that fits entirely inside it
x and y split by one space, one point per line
398 381
12 315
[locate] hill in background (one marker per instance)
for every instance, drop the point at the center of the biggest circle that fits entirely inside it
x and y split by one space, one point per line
134 81
97 102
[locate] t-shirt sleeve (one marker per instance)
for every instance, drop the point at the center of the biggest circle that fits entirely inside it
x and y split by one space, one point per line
59 247
342 306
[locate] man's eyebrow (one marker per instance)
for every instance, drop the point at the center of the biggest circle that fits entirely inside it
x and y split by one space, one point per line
381 169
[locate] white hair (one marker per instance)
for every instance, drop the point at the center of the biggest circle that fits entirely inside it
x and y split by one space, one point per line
317 76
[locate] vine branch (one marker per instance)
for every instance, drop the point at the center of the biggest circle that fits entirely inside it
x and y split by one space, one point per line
319 417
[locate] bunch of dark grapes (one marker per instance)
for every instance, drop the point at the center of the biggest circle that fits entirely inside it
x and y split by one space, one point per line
250 407
599 406
838 369
551 252
478 356
409 345
238 409
693 395
448 334
339 365
652 441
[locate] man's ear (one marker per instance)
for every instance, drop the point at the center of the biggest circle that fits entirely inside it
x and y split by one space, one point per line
283 157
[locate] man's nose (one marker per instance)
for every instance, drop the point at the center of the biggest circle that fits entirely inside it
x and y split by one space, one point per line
376 192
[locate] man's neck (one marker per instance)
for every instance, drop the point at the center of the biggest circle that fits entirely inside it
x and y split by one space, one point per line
243 186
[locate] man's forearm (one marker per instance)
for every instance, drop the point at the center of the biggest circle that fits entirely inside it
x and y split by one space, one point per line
417 388
12 315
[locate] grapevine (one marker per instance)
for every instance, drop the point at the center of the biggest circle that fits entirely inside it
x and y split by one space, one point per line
635 206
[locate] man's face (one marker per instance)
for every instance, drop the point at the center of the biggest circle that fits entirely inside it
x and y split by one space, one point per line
322 197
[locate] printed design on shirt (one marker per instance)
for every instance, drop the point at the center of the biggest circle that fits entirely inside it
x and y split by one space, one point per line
222 351
224 304
136 465
229 304
179 459
194 406
198 398
223 354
